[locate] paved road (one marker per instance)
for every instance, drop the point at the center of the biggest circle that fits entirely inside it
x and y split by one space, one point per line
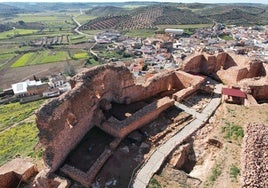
153 164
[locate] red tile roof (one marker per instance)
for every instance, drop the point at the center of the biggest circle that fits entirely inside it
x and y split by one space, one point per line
233 92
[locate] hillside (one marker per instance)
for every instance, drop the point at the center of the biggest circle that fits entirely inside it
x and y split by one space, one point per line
7 10
106 11
240 15
145 17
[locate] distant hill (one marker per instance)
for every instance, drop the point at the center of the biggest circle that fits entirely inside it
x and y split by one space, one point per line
7 10
107 11
237 14
173 14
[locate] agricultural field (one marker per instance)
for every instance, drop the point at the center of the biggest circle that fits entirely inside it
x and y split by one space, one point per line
18 131
84 18
49 19
16 32
76 39
19 141
144 33
81 55
183 26
41 57
16 112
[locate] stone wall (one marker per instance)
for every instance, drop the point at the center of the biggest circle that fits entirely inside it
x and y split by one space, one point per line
63 121
16 171
140 118
228 68
255 156
208 65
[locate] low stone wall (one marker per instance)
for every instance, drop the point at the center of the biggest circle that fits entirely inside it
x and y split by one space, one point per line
182 94
138 119
255 156
16 171
86 178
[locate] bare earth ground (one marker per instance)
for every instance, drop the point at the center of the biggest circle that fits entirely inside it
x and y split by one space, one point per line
13 75
210 157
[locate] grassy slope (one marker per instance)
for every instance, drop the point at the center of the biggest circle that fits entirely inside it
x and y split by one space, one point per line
22 138
16 112
19 140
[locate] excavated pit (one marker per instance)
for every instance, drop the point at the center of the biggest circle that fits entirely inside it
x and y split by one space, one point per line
138 145
123 111
89 149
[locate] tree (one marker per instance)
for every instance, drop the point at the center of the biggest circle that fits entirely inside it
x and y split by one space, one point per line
21 22
69 69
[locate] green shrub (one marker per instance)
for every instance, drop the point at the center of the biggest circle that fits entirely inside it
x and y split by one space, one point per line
232 131
234 172
154 184
216 172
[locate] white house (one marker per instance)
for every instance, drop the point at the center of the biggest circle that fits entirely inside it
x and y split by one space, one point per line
20 89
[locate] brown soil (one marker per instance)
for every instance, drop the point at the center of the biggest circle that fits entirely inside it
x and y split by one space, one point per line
13 75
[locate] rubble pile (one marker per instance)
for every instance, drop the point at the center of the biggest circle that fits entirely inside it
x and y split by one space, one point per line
255 156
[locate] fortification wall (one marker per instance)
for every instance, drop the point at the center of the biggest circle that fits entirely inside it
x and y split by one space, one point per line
63 121
229 68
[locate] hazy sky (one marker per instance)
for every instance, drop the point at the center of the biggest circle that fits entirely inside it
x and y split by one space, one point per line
183 1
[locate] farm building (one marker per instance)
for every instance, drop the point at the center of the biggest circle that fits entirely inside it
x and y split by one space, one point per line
174 31
22 88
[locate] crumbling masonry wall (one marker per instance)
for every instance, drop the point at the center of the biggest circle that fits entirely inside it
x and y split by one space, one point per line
255 156
64 121
229 68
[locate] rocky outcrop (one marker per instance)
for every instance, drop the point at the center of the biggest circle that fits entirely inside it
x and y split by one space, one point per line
255 156
64 121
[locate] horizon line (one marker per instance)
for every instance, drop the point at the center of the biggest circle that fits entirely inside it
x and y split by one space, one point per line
126 1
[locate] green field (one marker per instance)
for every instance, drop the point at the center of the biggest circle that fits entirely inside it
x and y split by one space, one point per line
76 39
41 57
82 55
19 140
84 18
4 57
50 19
188 26
144 33
16 112
16 32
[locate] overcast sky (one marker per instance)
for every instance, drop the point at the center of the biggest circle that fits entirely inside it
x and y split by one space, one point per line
182 1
